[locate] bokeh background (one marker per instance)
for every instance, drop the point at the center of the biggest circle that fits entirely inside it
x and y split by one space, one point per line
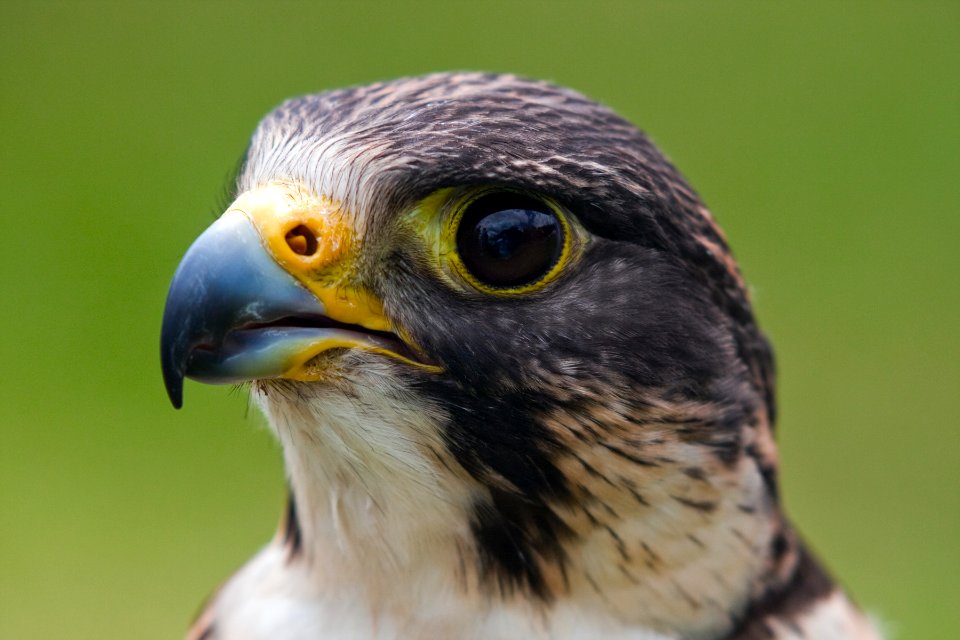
825 137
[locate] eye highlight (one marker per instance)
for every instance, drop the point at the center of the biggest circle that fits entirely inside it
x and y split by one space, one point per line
508 241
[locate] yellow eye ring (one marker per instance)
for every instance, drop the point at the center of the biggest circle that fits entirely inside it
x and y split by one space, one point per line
507 242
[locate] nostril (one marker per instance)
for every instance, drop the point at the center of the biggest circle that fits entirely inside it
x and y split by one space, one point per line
302 241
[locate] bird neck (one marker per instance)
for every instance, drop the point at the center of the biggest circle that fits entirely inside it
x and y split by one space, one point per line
681 540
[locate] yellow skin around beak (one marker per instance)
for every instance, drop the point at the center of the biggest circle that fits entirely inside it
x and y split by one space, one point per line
312 240
269 286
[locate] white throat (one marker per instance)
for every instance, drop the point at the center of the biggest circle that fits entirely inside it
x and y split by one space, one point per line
378 499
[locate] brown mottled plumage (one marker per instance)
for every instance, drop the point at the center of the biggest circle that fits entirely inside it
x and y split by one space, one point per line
590 458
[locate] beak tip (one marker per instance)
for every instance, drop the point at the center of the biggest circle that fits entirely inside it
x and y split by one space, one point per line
173 381
172 365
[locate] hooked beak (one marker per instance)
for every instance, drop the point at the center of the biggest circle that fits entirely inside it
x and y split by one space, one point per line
246 302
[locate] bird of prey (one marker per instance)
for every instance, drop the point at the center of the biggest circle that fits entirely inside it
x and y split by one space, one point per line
515 373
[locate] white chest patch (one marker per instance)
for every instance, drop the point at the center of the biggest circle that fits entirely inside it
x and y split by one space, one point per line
270 599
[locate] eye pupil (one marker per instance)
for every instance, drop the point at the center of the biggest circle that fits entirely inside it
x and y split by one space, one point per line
509 239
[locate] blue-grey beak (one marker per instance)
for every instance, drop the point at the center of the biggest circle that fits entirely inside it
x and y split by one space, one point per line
228 282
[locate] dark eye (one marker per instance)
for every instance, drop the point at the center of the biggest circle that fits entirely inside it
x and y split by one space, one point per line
509 239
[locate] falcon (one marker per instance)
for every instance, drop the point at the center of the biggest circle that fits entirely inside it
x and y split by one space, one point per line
514 371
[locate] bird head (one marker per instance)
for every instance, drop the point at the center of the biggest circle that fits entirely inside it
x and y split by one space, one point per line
497 335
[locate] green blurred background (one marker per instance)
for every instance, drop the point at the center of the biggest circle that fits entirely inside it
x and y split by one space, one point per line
826 139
